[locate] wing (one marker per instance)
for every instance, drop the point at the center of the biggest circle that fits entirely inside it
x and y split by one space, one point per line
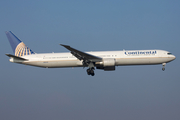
82 55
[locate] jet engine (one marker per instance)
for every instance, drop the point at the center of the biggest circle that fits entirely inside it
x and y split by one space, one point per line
108 64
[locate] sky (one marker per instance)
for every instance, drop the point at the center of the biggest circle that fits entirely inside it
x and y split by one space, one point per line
129 93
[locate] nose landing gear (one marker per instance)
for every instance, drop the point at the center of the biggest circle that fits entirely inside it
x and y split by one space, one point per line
163 64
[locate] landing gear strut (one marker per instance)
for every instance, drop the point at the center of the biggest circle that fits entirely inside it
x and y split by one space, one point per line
164 64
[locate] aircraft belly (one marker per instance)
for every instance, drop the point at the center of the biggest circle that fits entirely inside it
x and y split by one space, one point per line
141 61
54 64
119 61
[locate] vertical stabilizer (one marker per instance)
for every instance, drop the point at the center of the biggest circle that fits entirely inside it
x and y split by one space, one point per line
18 47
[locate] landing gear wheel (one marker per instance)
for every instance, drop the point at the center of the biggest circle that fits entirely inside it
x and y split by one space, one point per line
92 72
88 71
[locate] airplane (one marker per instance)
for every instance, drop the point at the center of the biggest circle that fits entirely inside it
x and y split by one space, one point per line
104 60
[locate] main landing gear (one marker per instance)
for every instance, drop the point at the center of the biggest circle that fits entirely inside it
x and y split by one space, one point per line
163 64
90 71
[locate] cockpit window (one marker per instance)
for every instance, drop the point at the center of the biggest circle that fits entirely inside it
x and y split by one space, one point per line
169 53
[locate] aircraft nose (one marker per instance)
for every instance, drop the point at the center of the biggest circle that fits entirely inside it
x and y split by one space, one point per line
174 57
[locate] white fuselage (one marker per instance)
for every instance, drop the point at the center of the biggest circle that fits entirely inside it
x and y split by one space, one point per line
130 57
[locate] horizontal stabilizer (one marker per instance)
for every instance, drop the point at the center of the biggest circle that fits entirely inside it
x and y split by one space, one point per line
16 57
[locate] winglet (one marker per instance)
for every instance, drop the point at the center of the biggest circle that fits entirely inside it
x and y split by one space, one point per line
64 45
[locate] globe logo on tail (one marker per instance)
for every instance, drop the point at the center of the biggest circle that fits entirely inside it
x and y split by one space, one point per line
22 50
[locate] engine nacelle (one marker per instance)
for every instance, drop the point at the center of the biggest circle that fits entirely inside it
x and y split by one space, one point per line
107 64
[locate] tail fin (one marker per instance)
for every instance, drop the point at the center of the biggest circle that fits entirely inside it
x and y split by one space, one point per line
19 48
